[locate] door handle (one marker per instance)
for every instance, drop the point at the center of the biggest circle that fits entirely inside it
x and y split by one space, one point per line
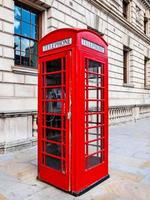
69 115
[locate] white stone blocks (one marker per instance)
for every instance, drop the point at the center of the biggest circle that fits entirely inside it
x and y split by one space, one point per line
31 79
8 27
24 90
13 78
57 14
114 42
6 14
63 25
81 25
115 81
63 8
36 91
6 90
116 56
90 17
6 39
8 52
0 76
1 51
70 21
79 16
8 4
1 26
16 128
53 23
18 104
6 64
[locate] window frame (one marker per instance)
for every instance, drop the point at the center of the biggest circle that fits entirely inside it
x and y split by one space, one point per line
126 65
146 72
138 14
21 36
146 20
125 9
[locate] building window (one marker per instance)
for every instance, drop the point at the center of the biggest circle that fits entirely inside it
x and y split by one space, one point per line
146 72
126 66
145 25
138 14
26 36
125 8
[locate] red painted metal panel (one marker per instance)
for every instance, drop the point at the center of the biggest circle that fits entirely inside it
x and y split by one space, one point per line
73 103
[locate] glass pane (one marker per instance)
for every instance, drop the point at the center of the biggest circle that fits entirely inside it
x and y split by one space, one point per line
33 47
95 133
25 45
25 15
54 118
93 120
53 135
17 45
93 95
53 107
25 58
17 26
94 106
53 163
92 161
34 32
33 18
94 67
54 79
54 94
54 65
33 60
17 57
93 147
17 12
94 80
54 149
53 121
26 29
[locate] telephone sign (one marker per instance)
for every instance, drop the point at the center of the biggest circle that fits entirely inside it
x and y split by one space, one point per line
57 44
92 45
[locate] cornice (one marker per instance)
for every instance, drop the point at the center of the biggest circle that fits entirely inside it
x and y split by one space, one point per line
38 4
146 3
119 18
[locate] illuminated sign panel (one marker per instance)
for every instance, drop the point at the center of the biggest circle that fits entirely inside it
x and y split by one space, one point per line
92 45
57 44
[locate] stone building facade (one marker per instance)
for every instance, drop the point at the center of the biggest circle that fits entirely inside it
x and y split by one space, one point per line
124 24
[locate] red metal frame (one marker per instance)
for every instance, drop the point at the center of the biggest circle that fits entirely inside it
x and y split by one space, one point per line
83 154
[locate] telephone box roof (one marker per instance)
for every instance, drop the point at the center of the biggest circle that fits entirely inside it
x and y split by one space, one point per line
73 30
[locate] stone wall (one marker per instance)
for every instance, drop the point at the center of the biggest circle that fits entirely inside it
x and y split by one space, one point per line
122 114
18 85
17 130
117 32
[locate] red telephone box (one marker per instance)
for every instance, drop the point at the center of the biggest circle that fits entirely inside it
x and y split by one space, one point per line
73 110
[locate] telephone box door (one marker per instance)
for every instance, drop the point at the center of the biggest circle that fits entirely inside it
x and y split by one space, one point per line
92 121
96 119
54 122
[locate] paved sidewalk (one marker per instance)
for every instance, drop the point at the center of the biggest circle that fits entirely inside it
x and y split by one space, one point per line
129 170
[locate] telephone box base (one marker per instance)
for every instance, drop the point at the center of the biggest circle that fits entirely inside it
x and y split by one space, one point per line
76 194
90 187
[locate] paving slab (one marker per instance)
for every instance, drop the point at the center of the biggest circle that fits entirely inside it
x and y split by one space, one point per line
129 169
